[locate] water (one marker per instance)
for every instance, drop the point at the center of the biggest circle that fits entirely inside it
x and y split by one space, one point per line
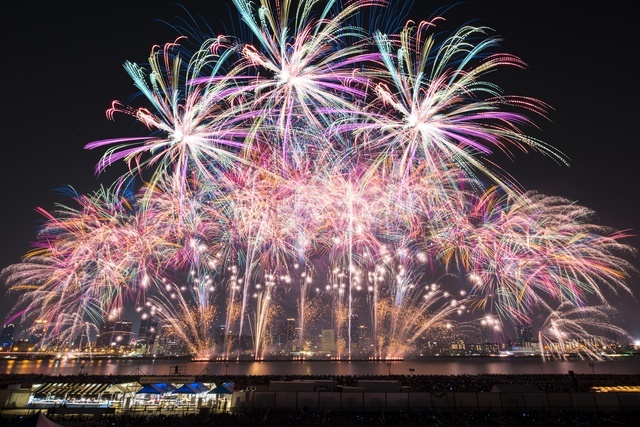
433 366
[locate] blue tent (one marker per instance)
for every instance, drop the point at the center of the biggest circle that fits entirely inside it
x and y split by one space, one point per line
226 388
159 388
193 388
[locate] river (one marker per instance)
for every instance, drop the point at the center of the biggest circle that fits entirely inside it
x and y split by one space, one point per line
431 366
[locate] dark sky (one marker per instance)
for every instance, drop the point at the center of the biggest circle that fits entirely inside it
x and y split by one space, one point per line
62 67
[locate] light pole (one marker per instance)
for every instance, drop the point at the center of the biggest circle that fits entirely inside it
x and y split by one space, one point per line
389 366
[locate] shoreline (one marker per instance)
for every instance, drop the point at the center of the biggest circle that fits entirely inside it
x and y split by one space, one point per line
189 359
417 382
437 386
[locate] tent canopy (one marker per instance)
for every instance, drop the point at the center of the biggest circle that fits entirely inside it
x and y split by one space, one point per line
226 388
123 387
70 389
158 388
192 388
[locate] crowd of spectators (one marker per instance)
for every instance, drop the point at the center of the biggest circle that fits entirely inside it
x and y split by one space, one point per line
346 419
432 383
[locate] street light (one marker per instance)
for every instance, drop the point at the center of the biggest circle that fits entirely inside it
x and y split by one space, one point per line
389 366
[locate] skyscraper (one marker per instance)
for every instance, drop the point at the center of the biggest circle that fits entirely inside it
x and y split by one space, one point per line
328 341
220 335
7 336
103 340
148 330
291 332
523 335
122 333
114 333
355 331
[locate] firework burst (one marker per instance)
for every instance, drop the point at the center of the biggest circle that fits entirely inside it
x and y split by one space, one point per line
323 171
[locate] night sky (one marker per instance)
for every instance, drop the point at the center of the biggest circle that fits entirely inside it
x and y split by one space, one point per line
62 67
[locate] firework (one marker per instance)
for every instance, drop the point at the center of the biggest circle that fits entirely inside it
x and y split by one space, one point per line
583 332
79 265
325 172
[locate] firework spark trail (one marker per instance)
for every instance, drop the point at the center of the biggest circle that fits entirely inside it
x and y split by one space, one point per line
79 264
304 304
309 63
405 309
192 124
578 330
320 150
192 322
435 108
526 250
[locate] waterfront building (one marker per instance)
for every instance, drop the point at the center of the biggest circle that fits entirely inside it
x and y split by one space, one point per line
122 334
524 335
169 344
219 336
114 334
23 346
7 336
291 335
328 341
147 333
354 335
458 347
279 335
103 340
363 348
484 349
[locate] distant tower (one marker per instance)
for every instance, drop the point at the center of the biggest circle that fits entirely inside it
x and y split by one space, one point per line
168 343
121 336
114 333
363 334
106 333
279 333
482 334
148 330
7 336
355 331
328 341
290 332
220 336
523 335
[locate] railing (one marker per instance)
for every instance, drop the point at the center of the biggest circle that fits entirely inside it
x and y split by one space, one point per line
445 401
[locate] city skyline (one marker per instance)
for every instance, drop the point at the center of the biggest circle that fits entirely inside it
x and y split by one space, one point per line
548 185
116 339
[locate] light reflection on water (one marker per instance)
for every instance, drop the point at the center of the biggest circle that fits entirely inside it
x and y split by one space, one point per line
436 366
